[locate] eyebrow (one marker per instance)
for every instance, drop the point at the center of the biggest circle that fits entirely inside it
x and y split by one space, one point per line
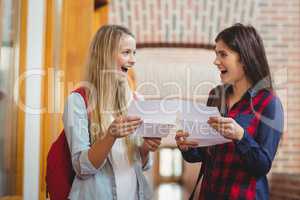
128 49
220 51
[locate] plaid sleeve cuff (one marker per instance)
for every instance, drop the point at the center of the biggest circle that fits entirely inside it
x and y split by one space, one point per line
193 154
245 144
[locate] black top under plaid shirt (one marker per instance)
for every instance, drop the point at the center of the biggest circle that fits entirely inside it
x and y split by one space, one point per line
238 169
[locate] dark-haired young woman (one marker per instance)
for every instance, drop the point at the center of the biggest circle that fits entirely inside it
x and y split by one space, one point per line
252 117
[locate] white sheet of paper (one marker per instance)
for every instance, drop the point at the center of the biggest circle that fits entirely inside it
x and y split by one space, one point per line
193 119
158 120
163 117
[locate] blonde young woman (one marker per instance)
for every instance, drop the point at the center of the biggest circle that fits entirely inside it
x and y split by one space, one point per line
105 153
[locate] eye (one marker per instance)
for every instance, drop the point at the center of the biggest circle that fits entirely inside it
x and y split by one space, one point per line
223 55
126 52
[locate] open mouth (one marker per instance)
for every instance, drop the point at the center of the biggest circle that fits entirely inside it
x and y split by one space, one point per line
224 71
124 69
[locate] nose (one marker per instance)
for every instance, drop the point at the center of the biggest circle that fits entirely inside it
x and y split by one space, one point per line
132 59
217 61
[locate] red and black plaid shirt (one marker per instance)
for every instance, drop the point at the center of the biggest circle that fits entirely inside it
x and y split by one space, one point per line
237 170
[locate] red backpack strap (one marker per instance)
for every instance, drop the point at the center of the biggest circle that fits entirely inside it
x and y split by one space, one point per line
82 92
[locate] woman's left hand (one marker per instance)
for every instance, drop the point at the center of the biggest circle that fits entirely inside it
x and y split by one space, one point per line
227 127
151 144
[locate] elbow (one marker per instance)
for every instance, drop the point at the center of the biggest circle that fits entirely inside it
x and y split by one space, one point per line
261 169
85 173
261 172
78 172
83 167
81 173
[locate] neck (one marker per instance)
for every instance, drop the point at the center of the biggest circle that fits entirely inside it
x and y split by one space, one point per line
240 87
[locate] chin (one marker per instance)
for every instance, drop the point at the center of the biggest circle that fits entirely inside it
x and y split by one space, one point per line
224 81
227 81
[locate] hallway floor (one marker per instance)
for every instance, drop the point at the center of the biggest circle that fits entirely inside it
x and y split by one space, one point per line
172 191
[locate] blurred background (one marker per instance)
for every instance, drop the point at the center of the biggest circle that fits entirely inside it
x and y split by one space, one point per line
43 51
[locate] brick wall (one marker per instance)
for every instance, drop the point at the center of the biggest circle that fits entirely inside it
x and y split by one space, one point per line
198 22
279 23
176 21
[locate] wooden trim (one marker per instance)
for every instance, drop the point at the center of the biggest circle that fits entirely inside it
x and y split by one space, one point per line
46 136
67 37
11 198
22 92
100 17
77 30
155 172
160 179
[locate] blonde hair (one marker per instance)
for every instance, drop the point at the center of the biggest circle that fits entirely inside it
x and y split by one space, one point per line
112 91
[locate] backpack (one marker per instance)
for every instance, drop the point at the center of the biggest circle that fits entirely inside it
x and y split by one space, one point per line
59 172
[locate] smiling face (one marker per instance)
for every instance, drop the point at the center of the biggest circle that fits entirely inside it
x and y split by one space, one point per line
228 62
126 54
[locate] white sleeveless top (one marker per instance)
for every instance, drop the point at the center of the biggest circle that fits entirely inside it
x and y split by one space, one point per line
126 180
125 176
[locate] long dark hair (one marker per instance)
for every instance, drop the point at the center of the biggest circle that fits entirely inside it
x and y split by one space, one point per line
248 44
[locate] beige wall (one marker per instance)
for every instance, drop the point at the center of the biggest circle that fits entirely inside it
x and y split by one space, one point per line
176 72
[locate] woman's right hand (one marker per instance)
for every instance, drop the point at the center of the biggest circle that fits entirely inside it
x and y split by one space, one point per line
124 126
182 143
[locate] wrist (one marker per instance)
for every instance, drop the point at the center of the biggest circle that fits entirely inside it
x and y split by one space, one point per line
110 136
240 135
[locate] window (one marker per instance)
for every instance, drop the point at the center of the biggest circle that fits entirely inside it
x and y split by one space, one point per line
170 164
170 170
170 191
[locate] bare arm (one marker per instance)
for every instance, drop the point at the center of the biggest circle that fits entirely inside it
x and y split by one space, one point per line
100 150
